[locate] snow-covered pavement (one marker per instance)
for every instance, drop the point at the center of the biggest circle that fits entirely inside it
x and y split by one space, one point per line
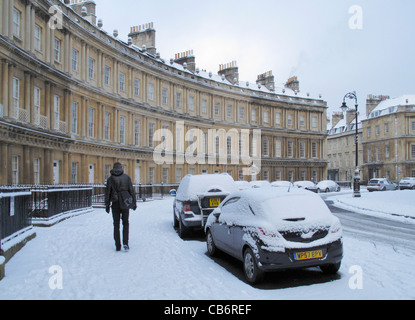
76 259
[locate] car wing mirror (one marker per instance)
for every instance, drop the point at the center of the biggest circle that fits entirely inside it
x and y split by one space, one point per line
216 213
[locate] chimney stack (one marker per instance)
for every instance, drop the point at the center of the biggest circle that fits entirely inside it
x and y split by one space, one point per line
267 79
86 9
336 117
293 84
144 35
350 115
230 71
186 59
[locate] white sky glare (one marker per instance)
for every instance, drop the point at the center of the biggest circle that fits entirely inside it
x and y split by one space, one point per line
311 39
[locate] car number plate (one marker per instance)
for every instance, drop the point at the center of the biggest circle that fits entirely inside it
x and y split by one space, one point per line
214 202
308 255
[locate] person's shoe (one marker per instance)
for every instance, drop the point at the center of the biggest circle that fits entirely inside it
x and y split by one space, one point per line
117 248
126 247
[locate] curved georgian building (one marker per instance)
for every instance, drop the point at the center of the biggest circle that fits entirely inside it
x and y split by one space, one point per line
74 99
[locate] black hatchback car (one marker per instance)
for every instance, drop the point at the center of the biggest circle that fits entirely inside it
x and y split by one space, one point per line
271 229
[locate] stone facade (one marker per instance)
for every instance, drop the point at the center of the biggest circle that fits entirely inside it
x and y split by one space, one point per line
389 139
386 140
74 99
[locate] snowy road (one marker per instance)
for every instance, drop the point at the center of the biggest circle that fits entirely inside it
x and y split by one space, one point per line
375 229
80 253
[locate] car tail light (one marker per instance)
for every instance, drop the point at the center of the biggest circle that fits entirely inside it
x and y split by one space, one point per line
378 184
186 207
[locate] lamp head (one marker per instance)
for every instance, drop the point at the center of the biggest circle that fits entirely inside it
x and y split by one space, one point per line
344 107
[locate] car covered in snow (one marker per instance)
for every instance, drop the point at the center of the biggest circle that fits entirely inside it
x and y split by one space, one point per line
259 184
271 229
327 186
197 196
381 184
307 185
407 183
281 184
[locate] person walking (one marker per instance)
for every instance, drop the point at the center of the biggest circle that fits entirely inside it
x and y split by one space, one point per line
116 183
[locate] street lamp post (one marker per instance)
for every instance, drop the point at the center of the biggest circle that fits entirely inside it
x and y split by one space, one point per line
356 179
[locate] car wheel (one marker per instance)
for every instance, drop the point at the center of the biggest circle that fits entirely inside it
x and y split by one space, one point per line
175 221
210 244
252 273
318 191
330 268
182 229
327 190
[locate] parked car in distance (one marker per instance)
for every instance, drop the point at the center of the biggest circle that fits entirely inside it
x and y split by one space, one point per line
271 229
381 184
327 186
307 185
281 184
407 183
259 184
196 198
241 185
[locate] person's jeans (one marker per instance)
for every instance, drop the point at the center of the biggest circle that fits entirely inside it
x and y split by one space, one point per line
117 215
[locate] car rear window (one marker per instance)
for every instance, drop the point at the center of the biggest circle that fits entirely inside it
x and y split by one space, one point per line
291 206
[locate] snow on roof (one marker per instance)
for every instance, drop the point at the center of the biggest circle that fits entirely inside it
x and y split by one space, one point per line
391 105
121 45
343 126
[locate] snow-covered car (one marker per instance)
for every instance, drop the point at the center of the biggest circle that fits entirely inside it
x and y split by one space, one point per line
281 184
271 229
307 185
327 186
407 183
259 184
196 198
381 184
241 185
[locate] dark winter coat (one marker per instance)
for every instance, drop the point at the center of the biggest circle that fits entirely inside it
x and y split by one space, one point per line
120 181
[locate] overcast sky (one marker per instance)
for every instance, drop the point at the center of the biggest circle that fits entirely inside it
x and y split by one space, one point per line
334 47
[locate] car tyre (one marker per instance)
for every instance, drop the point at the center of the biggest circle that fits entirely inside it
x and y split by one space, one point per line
252 273
212 250
331 268
175 221
182 229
